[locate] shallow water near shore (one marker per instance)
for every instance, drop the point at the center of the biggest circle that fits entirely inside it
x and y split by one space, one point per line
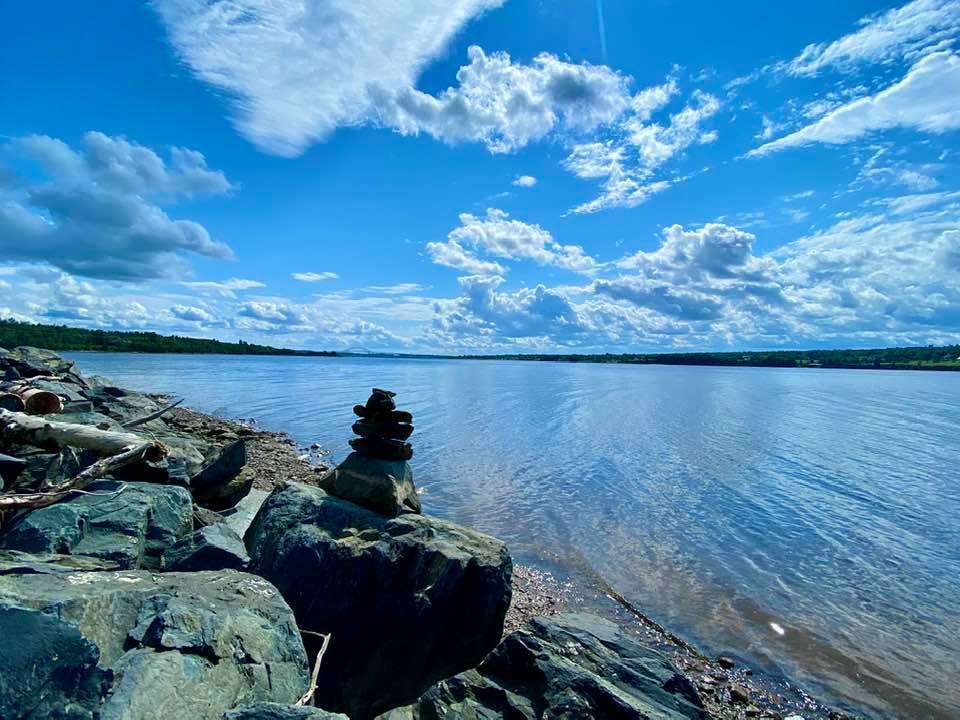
804 521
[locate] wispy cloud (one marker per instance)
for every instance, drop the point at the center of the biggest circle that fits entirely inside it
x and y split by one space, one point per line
908 32
927 99
312 277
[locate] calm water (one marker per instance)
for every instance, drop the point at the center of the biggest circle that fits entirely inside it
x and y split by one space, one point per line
725 502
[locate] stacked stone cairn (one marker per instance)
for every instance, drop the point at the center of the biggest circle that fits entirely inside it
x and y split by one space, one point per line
376 475
383 429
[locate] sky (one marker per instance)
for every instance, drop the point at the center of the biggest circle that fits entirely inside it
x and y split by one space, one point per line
483 176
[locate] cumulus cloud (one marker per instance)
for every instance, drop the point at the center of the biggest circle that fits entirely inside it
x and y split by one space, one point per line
498 235
890 275
298 69
191 313
486 311
628 161
311 277
927 99
905 32
91 213
527 181
507 105
451 254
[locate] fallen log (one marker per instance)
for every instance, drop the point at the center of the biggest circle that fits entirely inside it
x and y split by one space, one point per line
146 452
20 429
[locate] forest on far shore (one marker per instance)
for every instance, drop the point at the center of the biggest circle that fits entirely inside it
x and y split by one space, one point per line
63 338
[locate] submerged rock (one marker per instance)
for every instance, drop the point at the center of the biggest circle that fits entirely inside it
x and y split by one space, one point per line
138 646
384 486
408 600
568 666
215 547
128 524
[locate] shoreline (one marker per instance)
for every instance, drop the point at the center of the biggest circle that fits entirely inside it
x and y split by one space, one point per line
730 691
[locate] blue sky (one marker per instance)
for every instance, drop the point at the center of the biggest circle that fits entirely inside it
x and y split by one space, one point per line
485 175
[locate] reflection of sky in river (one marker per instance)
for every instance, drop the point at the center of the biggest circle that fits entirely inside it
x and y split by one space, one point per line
727 503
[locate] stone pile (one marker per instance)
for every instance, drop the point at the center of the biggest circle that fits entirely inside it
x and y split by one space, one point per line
376 475
383 429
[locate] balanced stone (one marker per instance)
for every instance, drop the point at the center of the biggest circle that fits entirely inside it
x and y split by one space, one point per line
382 448
384 486
383 428
381 401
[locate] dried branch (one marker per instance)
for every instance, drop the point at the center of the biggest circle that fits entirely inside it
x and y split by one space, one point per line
308 695
140 453
152 416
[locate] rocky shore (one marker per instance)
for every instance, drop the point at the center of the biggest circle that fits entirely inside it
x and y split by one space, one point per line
156 562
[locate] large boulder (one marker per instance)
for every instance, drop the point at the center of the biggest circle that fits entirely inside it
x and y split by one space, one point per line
223 482
275 711
384 486
408 600
128 524
132 645
568 666
214 547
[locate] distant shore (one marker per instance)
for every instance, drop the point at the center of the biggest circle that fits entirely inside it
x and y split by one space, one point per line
61 338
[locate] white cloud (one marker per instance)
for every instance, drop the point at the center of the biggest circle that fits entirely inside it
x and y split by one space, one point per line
91 214
298 69
889 276
500 236
226 288
527 181
905 32
926 99
629 161
768 129
312 277
506 105
191 313
407 288
451 254
802 195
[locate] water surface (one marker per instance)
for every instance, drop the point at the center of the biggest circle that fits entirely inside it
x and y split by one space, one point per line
806 521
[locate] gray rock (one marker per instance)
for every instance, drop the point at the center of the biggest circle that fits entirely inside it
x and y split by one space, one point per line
274 711
384 486
408 600
215 547
10 468
130 529
137 646
221 483
241 515
31 361
567 666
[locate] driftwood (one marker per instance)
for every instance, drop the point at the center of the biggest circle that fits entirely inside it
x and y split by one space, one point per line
139 453
308 695
120 448
20 429
152 416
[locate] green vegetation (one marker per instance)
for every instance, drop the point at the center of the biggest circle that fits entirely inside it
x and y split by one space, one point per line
945 357
61 337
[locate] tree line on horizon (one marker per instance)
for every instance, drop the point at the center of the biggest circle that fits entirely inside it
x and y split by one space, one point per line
63 338
943 357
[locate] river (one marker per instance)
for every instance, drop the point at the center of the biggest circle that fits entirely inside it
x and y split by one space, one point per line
806 522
